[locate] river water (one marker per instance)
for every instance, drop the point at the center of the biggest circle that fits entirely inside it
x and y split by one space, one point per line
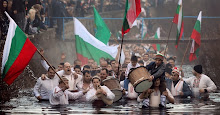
26 103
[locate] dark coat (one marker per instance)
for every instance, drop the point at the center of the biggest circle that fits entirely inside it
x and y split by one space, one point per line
186 90
158 72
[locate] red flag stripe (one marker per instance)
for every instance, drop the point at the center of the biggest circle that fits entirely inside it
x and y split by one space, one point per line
21 61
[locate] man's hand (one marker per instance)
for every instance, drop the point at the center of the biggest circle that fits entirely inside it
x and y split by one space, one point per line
181 93
149 91
15 11
85 91
64 87
103 92
39 98
165 93
151 78
41 51
43 76
75 75
63 56
202 91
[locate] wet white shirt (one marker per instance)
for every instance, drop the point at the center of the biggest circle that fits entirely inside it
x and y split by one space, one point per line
45 87
83 98
73 83
58 97
91 94
205 82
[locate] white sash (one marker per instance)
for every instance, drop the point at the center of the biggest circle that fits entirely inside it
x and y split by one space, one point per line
175 90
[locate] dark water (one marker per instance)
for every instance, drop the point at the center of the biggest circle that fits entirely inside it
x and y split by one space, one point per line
29 105
26 103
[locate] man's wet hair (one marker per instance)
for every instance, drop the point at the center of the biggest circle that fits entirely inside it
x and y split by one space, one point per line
77 67
51 68
134 58
141 61
105 70
76 61
171 58
62 64
63 79
86 66
112 61
86 71
124 66
146 54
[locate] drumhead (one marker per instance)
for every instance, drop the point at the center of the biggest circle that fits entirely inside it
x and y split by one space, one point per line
142 86
118 94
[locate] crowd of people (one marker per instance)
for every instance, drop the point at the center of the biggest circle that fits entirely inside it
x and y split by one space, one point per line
31 15
88 82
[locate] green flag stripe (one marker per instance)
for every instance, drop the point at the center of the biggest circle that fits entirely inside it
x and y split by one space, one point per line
197 26
178 9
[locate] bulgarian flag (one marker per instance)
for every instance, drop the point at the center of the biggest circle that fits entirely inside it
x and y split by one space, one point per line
178 19
196 36
88 47
18 51
103 33
132 10
157 36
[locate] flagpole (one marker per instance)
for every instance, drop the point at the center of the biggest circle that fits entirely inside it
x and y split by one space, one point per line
50 66
168 40
120 54
185 52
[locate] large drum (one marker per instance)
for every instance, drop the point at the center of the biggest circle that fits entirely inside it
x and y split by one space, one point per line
139 79
114 85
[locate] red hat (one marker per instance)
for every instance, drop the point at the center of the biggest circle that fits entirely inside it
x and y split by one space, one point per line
176 70
159 56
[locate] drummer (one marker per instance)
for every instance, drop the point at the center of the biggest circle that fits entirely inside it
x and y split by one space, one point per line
99 92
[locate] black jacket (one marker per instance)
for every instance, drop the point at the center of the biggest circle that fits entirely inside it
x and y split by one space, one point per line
158 72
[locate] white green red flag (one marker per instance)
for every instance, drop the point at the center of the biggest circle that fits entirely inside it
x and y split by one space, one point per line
132 10
157 36
18 51
88 47
196 36
178 19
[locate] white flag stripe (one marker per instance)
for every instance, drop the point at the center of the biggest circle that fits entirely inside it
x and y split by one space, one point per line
7 47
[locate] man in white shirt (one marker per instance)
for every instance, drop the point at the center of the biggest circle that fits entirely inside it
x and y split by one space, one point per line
73 77
99 92
60 94
43 88
200 84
